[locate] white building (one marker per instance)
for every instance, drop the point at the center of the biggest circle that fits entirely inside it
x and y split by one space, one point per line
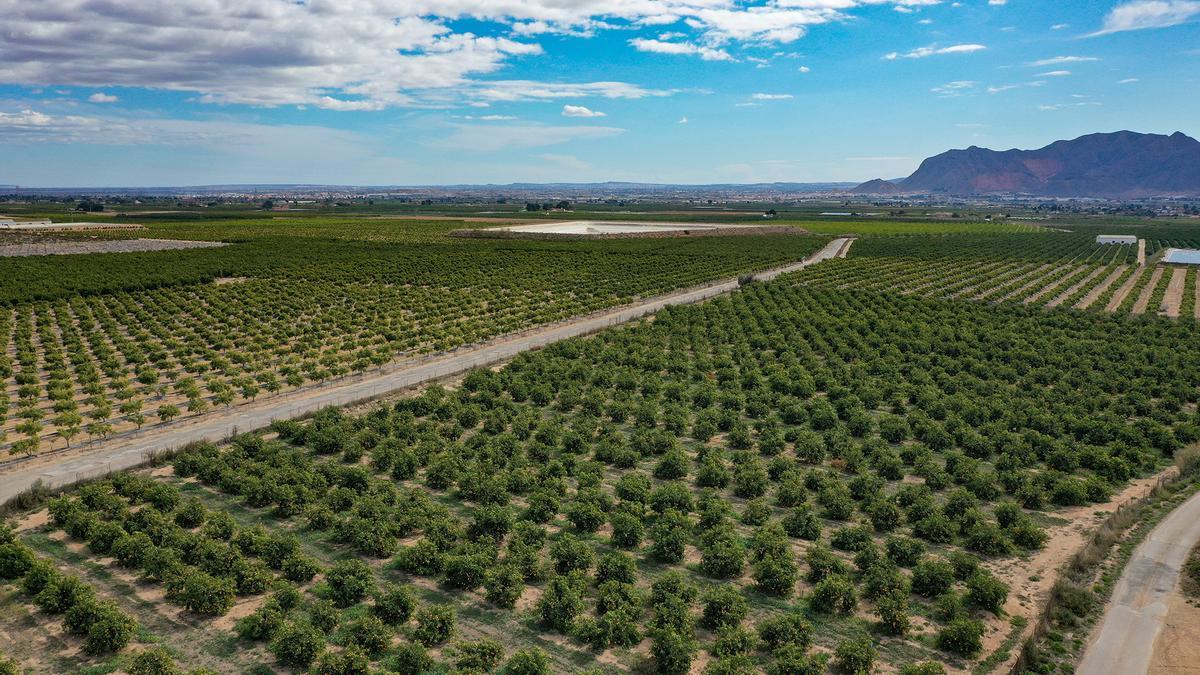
1116 239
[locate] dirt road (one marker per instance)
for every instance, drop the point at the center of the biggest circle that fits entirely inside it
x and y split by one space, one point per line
126 451
1124 641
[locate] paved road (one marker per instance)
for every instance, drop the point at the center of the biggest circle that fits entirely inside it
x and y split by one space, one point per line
1124 642
127 451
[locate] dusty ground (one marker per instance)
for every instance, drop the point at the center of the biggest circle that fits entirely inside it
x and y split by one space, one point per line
1139 307
1124 290
1177 649
1100 288
102 246
1074 288
1059 280
1174 297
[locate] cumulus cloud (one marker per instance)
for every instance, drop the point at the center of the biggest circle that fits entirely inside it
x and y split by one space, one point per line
1143 14
680 48
358 54
580 111
101 97
772 97
924 52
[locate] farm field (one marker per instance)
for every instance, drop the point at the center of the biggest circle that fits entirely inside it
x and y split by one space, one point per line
785 479
1067 271
99 344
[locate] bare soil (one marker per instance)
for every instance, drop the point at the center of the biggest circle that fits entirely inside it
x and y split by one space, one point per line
1139 307
1059 279
1177 649
1087 279
1173 300
103 246
1123 291
1100 288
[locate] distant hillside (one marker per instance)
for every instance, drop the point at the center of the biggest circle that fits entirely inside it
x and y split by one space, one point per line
878 186
1119 165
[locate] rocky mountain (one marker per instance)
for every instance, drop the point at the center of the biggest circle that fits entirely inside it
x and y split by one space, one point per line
878 186
1119 165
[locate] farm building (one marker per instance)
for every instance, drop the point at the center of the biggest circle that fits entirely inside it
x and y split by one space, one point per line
1181 256
1116 239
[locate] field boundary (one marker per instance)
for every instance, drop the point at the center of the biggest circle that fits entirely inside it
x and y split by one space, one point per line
122 452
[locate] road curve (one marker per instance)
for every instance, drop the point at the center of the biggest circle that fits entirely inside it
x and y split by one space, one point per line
126 451
1124 641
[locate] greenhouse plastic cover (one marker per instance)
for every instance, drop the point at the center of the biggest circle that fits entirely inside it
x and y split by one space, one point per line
1182 256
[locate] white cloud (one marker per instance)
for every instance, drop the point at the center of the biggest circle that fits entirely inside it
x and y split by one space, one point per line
529 90
1143 14
101 97
1059 60
953 89
580 111
493 138
1060 26
804 69
680 48
1128 80
1055 73
683 120
772 97
923 52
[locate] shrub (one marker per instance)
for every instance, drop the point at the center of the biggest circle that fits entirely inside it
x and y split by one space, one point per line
834 594
932 577
570 554
733 640
299 568
262 624
435 624
785 629
350 661
349 581
986 592
792 660
776 575
723 606
904 551
561 603
15 560
110 632
203 593
627 531
156 661
367 633
616 566
731 665
923 668
854 656
504 585
672 652
481 656
62 593
893 611
962 636
411 657
297 644
528 661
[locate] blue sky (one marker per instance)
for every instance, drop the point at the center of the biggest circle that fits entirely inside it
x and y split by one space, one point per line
186 92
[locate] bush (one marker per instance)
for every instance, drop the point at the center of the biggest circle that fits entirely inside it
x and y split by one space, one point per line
962 636
783 630
791 660
923 668
411 657
570 554
350 661
297 644
299 568
15 560
733 640
932 577
834 594
156 661
627 531
481 656
903 551
504 585
672 652
561 603
986 592
110 633
262 624
893 611
203 593
724 606
394 603
435 624
62 593
368 634
349 581
529 661
855 656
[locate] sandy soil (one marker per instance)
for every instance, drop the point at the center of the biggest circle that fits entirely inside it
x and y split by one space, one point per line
1115 301
1177 649
1139 307
1173 300
103 246
1032 578
1037 279
1021 278
1100 288
1059 280
1087 279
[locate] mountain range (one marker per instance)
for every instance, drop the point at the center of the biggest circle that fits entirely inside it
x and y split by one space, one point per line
1120 165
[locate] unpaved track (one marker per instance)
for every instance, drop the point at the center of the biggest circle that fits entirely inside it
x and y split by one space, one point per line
1054 285
1115 301
126 451
1096 292
1087 278
1124 641
1173 300
1139 307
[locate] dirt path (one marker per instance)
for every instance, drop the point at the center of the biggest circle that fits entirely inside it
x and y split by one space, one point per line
124 451
1177 649
1196 309
845 251
1115 301
1173 300
1139 306
1059 280
1087 279
1040 278
1125 639
1101 288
